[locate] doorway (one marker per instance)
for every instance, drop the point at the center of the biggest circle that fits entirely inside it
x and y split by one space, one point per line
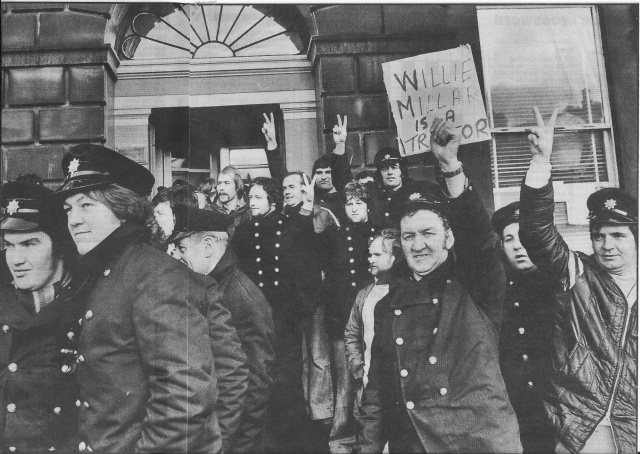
196 143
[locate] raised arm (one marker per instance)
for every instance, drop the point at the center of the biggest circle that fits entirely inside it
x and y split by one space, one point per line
538 234
277 166
340 172
477 247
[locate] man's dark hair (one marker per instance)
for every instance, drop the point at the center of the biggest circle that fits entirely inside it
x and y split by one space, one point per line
176 194
271 188
353 189
323 162
595 226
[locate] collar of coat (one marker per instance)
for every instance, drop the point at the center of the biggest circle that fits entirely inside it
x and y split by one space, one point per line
15 310
433 285
98 259
225 266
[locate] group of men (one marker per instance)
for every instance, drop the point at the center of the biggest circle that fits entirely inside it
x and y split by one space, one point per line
397 313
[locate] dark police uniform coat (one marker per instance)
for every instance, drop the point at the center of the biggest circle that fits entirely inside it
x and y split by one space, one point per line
276 252
344 251
147 380
526 341
37 400
252 318
434 382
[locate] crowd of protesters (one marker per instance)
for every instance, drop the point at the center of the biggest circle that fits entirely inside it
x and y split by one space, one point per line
319 313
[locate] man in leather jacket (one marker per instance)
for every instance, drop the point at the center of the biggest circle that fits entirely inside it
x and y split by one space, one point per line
593 400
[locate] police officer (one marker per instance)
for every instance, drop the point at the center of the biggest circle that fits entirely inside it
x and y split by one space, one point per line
38 319
526 335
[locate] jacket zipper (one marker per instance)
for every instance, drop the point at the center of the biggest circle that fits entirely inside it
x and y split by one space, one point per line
607 415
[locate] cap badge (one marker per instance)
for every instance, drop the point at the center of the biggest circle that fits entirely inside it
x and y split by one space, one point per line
73 166
13 207
610 204
387 156
414 196
516 213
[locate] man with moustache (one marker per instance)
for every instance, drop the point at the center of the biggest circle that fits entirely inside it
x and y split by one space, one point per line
434 384
526 336
230 199
593 402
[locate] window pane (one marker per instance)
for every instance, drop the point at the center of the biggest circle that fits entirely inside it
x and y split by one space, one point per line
541 57
209 31
572 158
248 157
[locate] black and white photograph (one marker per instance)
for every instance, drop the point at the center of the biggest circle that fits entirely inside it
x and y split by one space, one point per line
331 228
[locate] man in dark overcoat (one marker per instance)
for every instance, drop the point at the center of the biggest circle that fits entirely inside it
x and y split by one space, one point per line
434 381
202 244
526 335
38 388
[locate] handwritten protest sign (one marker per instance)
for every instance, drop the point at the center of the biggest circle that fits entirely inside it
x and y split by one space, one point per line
440 84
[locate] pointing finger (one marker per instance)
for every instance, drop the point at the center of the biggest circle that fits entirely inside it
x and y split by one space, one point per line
344 123
339 121
265 117
313 180
538 116
272 120
305 179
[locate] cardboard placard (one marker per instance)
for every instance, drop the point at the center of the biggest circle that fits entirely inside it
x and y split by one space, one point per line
439 84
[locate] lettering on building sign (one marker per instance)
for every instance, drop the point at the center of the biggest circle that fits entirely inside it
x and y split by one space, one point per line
439 84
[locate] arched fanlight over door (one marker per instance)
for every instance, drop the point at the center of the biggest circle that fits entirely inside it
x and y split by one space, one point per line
207 31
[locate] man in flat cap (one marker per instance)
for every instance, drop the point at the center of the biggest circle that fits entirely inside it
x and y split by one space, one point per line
434 382
593 400
38 387
202 244
526 334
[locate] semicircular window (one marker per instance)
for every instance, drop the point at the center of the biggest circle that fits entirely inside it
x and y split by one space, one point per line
207 31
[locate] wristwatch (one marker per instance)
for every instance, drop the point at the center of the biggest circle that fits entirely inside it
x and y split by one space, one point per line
453 173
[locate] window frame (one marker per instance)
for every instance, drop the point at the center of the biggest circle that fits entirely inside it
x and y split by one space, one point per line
504 195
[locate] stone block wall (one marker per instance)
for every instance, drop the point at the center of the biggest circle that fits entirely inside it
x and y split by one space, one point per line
349 45
57 81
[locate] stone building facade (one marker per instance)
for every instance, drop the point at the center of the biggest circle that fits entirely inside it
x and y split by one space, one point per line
69 77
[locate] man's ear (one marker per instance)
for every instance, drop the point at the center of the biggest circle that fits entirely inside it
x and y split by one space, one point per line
208 244
449 239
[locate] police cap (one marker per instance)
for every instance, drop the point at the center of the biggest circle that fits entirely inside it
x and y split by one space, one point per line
22 205
89 166
504 216
613 205
387 157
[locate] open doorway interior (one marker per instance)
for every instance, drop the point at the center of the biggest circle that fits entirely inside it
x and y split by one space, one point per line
195 143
